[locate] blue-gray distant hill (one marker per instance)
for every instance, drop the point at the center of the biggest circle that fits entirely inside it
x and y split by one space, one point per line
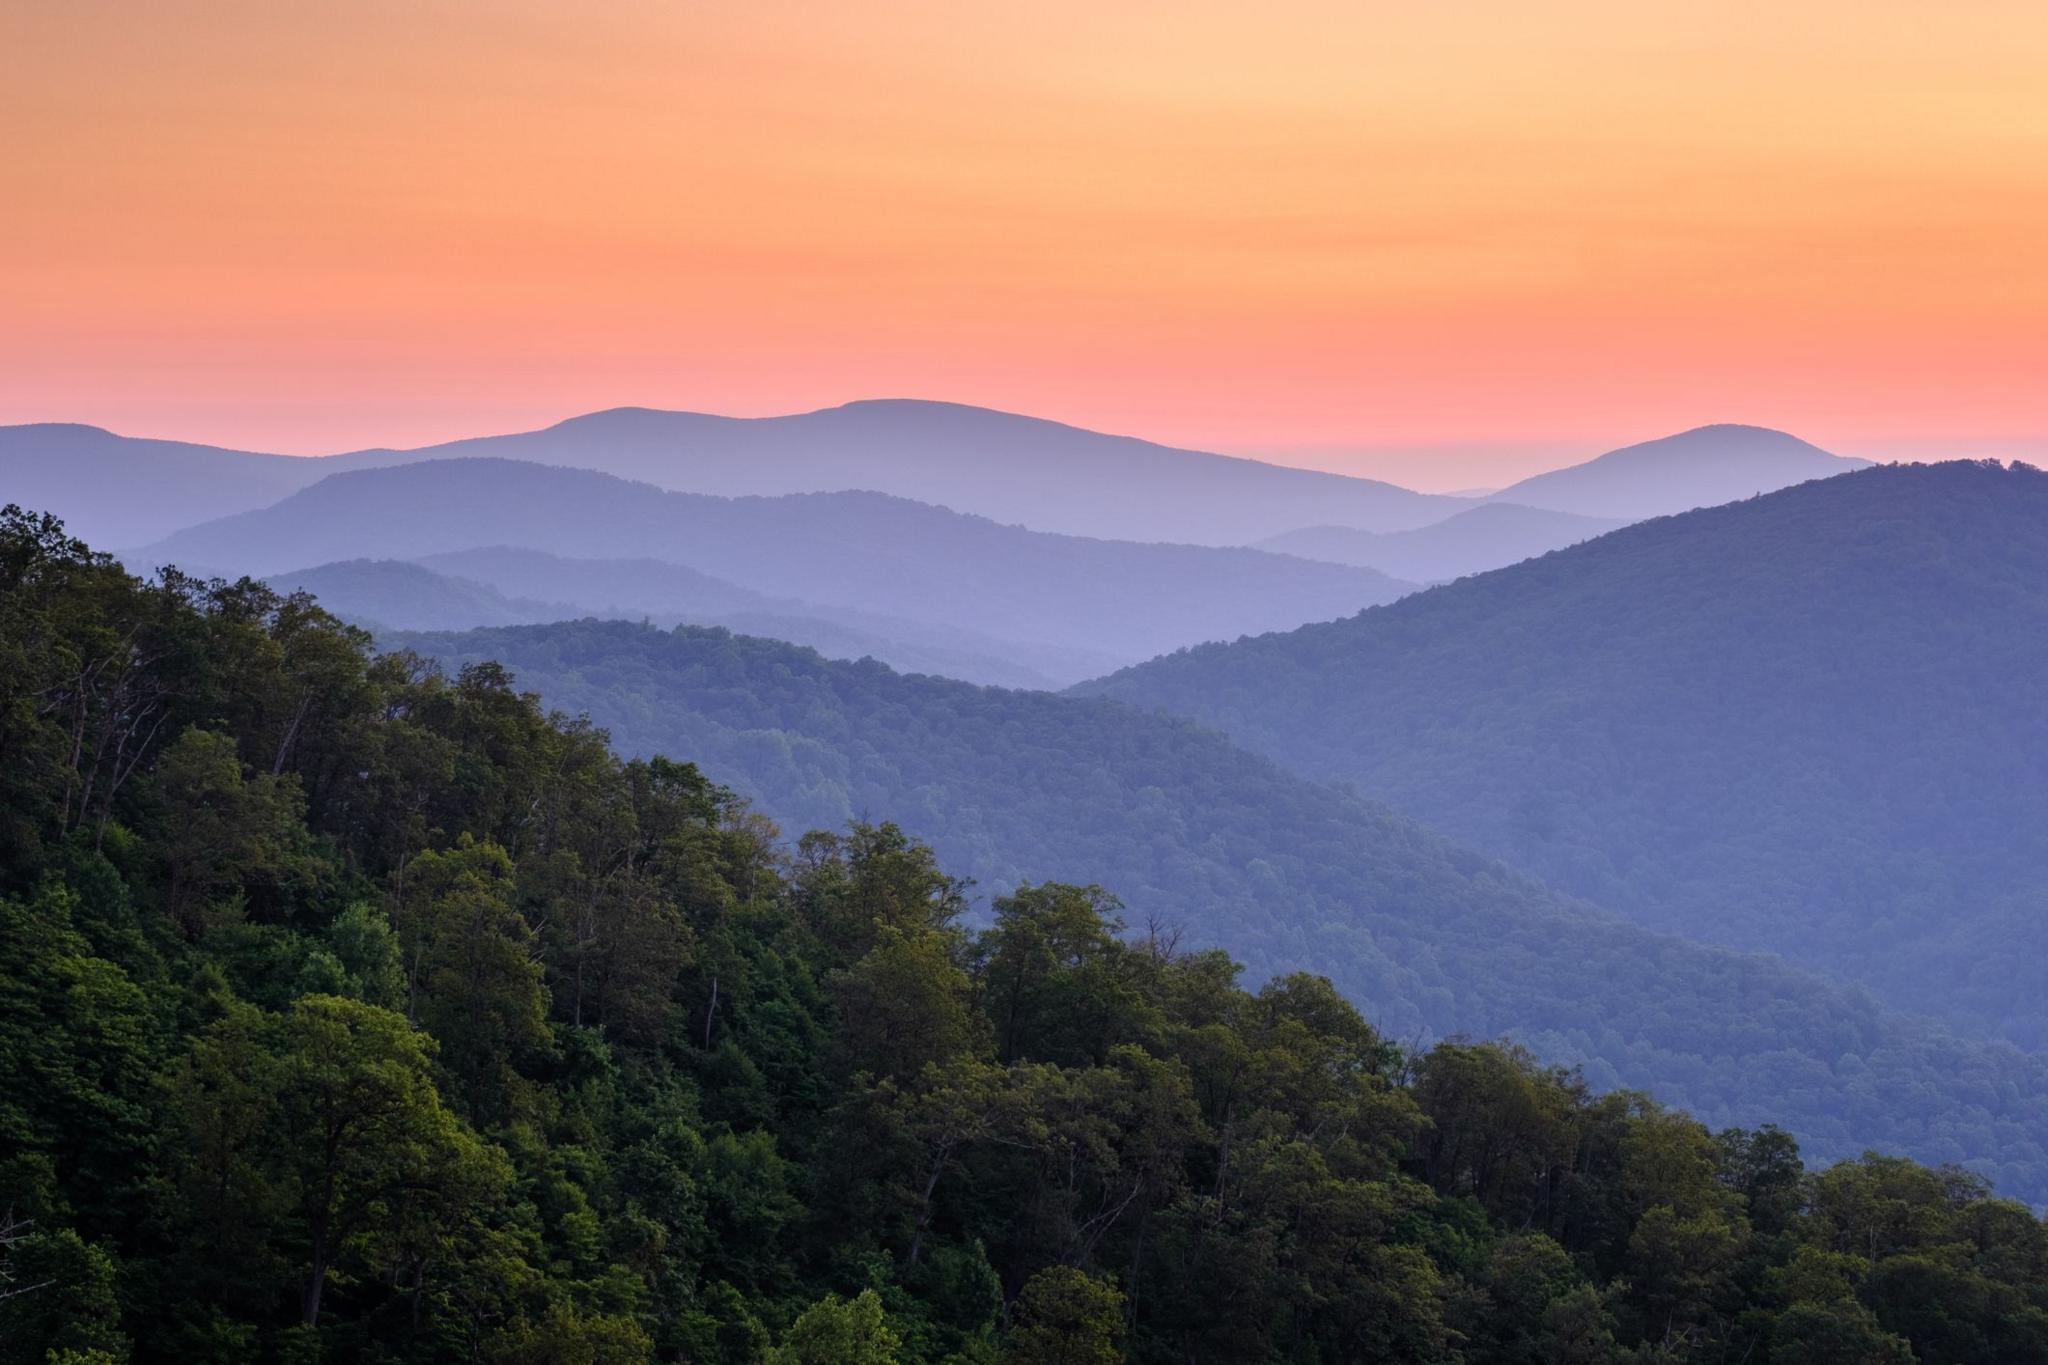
122 490
1288 875
861 552
1485 537
1809 723
1045 475
635 589
398 595
1703 467
392 593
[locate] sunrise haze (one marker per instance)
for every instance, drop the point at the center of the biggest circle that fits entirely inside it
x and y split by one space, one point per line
1448 247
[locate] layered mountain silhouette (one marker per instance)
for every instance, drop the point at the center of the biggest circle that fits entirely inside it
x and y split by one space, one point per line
1485 537
1808 723
1041 474
124 492
669 594
863 552
1703 467
1194 832
487 586
1046 475
397 594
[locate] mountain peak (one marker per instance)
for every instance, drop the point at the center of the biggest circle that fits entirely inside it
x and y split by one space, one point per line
1699 467
56 431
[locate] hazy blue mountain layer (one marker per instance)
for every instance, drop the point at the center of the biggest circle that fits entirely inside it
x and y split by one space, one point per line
121 490
1489 536
671 593
1045 475
126 492
1808 723
862 552
394 594
1703 467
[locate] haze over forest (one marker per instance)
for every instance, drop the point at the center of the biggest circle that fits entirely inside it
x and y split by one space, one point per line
1298 684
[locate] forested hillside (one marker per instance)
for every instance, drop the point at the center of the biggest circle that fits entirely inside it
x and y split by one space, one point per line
862 552
1808 723
1286 875
359 1012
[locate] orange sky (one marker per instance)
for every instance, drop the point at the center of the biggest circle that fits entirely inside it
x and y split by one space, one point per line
1418 241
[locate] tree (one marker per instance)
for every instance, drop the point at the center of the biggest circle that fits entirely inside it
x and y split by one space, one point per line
369 952
564 1336
222 831
1030 967
226 1191
835 1331
78 1043
472 966
1065 1316
907 1005
366 1132
63 1299
852 885
1842 1332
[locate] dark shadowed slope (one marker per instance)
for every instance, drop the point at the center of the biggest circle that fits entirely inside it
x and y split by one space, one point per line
1699 468
1288 875
859 551
1489 536
1045 475
1809 723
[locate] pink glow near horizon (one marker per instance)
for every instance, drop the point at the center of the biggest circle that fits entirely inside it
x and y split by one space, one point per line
1445 249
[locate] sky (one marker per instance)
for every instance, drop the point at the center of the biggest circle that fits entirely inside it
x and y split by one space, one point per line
1443 244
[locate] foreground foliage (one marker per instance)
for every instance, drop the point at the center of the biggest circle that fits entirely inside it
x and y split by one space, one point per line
353 1012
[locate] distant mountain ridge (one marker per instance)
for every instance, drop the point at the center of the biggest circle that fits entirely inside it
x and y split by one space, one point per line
1489 536
469 589
401 595
859 552
124 490
1047 475
1806 723
654 589
1013 468
1038 473
1703 467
